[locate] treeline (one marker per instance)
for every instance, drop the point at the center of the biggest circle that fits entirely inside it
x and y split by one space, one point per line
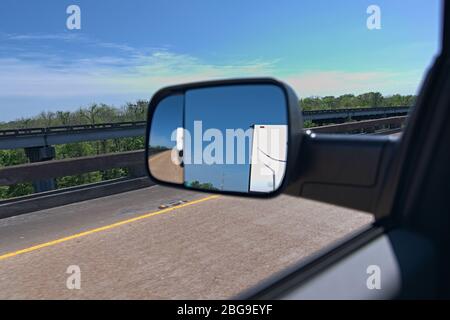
366 100
96 113
102 113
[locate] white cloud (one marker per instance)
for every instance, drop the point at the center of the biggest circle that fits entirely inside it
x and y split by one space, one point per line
139 74
124 70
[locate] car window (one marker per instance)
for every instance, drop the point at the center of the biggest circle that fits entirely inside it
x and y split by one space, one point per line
75 83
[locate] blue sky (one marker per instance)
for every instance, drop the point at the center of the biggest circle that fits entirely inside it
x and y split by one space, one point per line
126 50
218 108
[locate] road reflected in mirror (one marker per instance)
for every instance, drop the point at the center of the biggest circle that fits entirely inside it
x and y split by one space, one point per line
167 119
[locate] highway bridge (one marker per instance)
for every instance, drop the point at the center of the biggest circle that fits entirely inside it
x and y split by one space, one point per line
133 239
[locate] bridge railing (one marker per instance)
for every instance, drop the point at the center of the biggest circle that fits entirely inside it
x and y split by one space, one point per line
132 160
70 129
365 127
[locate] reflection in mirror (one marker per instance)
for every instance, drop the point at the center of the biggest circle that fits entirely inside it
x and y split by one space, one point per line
234 138
164 152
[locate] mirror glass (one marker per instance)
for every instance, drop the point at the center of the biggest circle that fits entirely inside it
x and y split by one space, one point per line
163 156
225 139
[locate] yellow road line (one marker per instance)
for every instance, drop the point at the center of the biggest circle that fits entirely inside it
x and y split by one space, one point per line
105 228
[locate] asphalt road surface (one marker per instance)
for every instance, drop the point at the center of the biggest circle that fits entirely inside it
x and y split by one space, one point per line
151 244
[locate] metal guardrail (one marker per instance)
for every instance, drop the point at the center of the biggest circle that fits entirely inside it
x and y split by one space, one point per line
70 129
344 115
61 197
369 126
355 111
54 136
133 160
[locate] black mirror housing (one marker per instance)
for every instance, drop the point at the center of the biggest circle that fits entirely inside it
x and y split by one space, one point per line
239 103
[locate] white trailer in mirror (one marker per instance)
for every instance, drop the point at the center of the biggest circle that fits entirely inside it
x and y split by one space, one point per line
268 157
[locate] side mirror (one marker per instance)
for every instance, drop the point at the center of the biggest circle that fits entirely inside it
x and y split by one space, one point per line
231 136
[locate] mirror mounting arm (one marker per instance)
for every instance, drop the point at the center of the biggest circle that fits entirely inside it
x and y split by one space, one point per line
344 170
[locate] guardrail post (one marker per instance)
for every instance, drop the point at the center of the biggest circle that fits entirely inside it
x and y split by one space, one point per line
137 171
39 154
